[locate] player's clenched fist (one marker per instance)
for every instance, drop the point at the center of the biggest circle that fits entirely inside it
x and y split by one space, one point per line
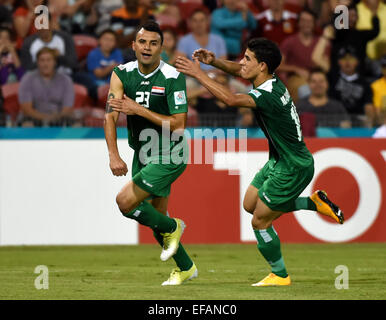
204 56
118 166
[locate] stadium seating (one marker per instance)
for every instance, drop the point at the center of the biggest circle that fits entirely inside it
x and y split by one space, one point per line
83 45
96 117
102 95
11 102
81 96
187 6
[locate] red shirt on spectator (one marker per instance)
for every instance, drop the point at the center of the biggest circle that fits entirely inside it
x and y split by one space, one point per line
273 30
23 12
296 53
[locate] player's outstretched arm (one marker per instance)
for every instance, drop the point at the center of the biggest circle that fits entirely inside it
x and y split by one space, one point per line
117 165
208 57
192 68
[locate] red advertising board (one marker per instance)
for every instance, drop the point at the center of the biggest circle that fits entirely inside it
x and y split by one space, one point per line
351 170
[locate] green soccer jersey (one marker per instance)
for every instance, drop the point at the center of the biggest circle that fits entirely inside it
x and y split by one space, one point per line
162 91
277 117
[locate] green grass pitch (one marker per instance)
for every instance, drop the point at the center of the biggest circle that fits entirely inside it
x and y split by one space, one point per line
225 272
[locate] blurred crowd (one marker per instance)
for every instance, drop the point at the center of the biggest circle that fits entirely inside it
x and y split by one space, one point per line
56 56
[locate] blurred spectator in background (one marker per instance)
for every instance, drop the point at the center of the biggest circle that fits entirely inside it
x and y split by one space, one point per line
230 22
297 51
199 37
102 60
101 13
46 97
329 112
379 91
60 41
72 15
349 87
6 20
166 13
211 111
342 38
2 111
10 66
125 20
23 19
210 4
276 23
367 9
169 46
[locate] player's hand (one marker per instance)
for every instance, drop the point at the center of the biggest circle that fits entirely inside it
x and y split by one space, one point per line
118 166
204 56
125 105
188 67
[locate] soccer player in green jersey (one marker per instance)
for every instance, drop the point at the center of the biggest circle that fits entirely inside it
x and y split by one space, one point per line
153 96
276 187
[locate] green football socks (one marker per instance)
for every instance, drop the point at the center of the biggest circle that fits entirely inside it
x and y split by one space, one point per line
181 258
269 246
147 215
303 203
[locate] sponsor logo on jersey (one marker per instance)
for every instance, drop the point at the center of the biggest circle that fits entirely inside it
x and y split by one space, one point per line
179 97
158 91
145 83
255 93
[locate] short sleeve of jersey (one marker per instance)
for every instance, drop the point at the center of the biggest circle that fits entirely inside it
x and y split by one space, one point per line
120 73
259 98
176 95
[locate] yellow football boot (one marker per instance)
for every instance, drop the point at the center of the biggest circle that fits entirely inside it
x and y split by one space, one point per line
326 207
172 240
177 276
273 280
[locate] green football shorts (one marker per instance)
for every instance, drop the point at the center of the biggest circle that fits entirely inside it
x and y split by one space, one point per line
155 178
278 187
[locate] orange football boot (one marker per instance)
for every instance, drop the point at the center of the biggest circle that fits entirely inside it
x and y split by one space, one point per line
273 280
326 206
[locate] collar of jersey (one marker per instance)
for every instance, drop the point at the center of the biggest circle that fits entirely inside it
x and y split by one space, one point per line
265 83
161 63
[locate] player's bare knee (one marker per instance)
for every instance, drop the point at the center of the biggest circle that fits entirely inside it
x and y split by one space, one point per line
247 207
124 203
259 223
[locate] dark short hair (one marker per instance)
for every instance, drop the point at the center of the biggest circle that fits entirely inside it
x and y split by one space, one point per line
317 70
198 9
152 26
10 32
111 31
309 11
266 51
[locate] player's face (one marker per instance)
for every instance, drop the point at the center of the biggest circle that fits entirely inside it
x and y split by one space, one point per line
147 47
250 67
